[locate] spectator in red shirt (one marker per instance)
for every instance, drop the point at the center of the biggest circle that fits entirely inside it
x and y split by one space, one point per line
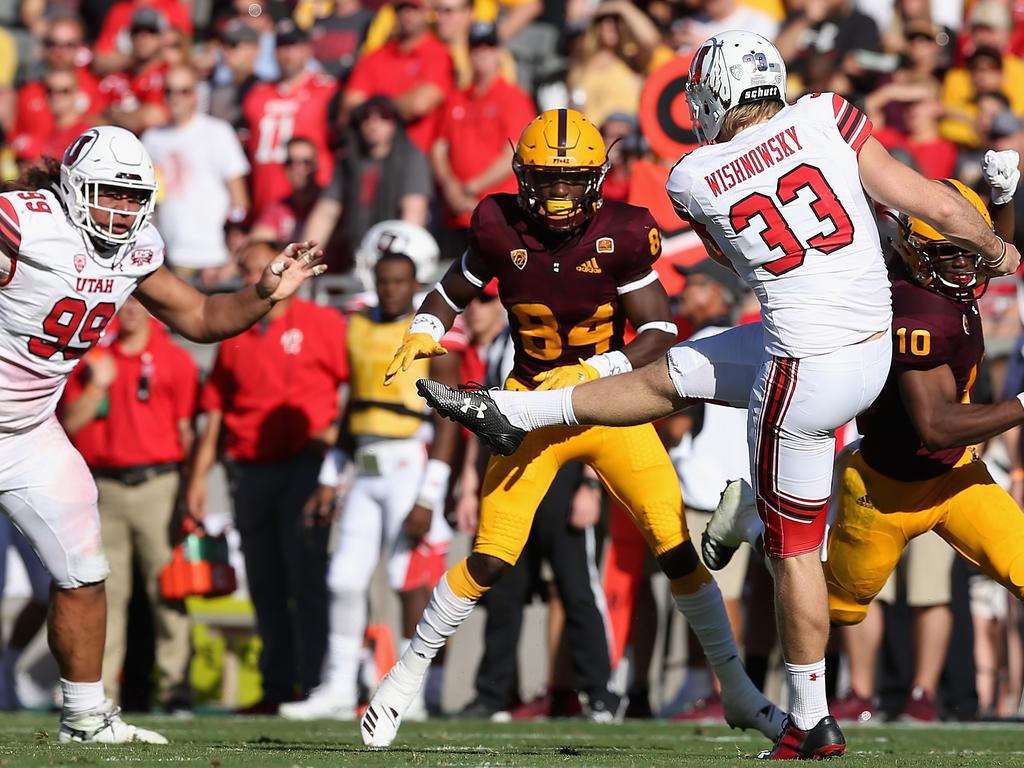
414 68
128 410
296 105
114 44
273 398
472 156
137 94
283 221
933 156
67 121
63 49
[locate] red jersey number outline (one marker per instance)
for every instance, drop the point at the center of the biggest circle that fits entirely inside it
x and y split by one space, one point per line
779 234
67 319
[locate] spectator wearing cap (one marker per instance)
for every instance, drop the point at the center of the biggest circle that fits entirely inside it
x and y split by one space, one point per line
136 94
271 403
235 76
284 220
472 155
988 61
63 49
298 104
452 24
338 38
128 410
414 69
202 178
986 72
381 176
826 36
924 55
114 46
704 442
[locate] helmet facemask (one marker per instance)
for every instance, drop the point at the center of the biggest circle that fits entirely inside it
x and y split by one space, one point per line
560 198
98 221
941 266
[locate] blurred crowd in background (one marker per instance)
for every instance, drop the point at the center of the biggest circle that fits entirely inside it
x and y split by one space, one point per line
279 120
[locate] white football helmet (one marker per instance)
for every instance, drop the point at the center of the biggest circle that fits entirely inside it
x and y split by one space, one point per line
730 69
106 156
395 236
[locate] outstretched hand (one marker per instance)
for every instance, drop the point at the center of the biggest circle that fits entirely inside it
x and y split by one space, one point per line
297 263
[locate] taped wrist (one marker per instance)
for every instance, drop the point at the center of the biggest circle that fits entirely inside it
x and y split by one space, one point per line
610 363
429 324
434 484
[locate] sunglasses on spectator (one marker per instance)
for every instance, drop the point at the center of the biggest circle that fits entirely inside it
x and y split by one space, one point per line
307 161
50 42
443 9
179 91
58 91
920 36
404 6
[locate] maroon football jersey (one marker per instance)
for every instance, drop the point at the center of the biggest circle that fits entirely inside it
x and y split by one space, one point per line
929 330
562 291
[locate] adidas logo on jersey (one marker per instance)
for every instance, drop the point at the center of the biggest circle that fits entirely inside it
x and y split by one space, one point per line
590 266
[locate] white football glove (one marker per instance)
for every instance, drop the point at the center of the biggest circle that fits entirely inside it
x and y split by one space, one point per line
1002 174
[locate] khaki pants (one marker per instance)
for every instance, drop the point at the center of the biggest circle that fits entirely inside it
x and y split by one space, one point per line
136 523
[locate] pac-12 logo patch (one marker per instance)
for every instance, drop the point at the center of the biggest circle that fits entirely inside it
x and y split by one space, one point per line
79 262
605 245
518 256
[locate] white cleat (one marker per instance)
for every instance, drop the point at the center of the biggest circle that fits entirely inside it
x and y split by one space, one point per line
104 726
399 688
734 522
324 703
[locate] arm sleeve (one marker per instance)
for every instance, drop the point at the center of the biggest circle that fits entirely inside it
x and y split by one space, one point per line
853 125
644 248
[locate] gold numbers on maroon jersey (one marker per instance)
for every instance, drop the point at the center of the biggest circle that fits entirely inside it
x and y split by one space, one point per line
541 339
654 237
920 342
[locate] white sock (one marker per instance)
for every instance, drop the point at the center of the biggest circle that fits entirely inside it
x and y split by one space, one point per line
705 613
807 701
443 615
532 410
81 697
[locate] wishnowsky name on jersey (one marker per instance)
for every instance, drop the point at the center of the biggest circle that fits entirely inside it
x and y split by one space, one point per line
763 156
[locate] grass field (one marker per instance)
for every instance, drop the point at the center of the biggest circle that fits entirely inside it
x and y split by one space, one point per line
227 742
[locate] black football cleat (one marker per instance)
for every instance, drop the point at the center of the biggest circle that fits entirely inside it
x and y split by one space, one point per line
823 741
476 411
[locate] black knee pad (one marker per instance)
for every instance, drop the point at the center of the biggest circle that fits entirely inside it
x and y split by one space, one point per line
679 561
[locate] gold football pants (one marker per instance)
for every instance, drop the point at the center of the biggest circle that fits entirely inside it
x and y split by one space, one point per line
879 515
631 462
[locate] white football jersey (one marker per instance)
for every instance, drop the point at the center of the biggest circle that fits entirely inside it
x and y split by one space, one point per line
783 202
56 302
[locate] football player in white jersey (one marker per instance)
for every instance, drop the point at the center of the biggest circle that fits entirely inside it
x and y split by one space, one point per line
75 242
778 195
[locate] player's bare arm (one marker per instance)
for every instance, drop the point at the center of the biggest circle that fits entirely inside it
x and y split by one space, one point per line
203 318
942 421
462 283
893 184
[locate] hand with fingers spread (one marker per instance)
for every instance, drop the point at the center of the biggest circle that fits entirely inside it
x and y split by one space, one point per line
414 347
567 376
297 263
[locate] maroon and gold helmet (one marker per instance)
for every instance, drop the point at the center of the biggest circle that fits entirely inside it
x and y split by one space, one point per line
927 253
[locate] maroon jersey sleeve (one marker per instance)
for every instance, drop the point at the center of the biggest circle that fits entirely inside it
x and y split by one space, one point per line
487 221
639 245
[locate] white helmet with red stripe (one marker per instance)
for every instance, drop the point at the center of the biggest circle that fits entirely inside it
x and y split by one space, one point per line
109 158
730 69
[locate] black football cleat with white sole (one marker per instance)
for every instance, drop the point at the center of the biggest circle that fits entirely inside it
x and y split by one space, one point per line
476 411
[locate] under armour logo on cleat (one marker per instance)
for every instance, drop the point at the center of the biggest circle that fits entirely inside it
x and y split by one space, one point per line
467 405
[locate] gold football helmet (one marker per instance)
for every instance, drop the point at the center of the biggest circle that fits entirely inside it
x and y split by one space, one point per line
935 262
560 163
